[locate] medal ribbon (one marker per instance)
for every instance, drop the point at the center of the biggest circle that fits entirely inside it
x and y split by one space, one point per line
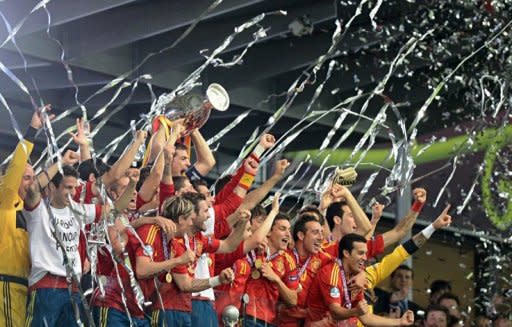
271 257
251 257
348 304
165 245
302 268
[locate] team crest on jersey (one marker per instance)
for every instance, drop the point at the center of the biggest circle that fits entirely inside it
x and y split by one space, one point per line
280 266
334 292
315 264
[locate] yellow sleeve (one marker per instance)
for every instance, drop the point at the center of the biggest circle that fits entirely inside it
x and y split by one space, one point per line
381 270
11 180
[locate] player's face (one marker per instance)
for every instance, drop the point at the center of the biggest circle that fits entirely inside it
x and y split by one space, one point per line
348 224
256 222
185 223
356 259
180 162
201 216
313 237
280 234
436 319
402 280
26 181
65 189
204 191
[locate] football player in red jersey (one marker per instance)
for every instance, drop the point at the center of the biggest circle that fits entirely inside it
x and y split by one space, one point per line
308 237
331 303
273 277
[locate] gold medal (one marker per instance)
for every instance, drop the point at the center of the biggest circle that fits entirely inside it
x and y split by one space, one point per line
255 274
299 289
210 261
258 263
168 277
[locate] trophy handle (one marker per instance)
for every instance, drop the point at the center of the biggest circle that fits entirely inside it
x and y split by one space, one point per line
216 98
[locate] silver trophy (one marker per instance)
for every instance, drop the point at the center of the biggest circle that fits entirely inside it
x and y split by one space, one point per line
230 316
195 109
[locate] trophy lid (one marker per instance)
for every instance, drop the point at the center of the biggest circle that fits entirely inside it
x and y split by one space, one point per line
218 97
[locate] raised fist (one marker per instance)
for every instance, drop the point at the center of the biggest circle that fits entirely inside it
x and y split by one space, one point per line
281 166
267 141
419 194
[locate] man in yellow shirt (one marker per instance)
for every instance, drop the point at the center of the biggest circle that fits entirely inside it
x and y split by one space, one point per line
15 263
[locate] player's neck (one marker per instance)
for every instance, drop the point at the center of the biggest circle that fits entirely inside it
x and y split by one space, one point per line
346 269
337 234
301 250
272 249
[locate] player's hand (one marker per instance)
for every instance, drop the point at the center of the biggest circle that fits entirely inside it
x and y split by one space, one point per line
187 257
70 158
419 194
269 273
407 319
267 141
280 168
167 225
227 276
362 308
444 219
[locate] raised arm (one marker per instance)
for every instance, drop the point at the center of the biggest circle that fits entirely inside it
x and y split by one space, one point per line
80 139
237 235
33 196
252 199
261 233
362 221
205 159
119 168
400 230
10 182
377 210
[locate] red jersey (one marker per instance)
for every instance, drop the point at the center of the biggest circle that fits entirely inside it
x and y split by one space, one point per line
232 294
375 247
264 294
326 289
166 191
173 298
153 248
113 290
84 194
226 260
291 316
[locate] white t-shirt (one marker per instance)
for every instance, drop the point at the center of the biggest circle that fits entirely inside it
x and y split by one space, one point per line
45 255
202 268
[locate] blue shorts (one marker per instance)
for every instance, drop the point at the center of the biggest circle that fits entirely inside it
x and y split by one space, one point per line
49 307
111 317
203 314
170 318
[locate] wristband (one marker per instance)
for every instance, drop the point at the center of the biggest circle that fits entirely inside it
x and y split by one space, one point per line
30 134
246 181
257 152
410 247
417 206
428 231
214 281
